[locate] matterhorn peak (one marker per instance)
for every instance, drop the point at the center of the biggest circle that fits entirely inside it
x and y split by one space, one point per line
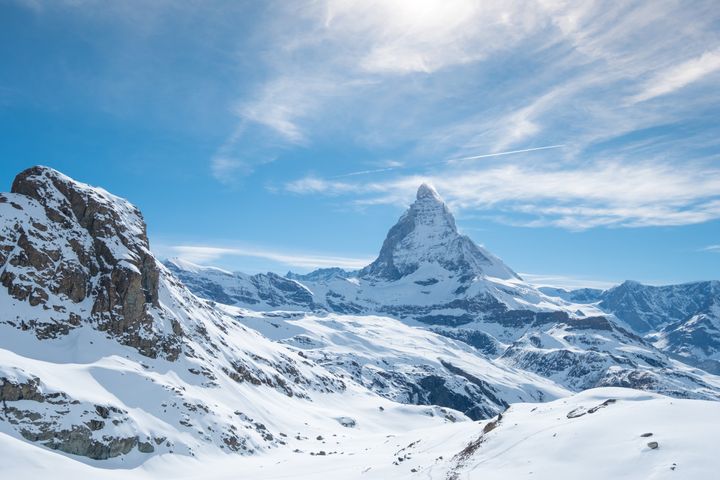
427 191
426 234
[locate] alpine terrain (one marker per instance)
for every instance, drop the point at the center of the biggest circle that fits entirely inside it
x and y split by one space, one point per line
430 276
435 361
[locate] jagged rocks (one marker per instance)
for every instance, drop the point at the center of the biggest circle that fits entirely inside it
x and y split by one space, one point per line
79 441
76 252
14 391
145 447
45 420
91 321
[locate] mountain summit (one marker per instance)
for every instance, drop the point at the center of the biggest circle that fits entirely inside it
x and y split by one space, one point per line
425 236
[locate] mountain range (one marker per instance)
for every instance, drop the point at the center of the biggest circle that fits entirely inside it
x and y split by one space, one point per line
428 274
435 361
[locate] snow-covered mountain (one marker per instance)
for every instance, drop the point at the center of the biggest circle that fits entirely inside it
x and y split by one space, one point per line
428 274
425 235
404 363
646 308
426 271
681 320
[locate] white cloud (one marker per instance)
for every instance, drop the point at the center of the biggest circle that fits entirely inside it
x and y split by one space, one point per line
610 193
679 76
406 36
223 168
711 248
377 71
310 184
282 103
203 254
567 282
196 253
331 50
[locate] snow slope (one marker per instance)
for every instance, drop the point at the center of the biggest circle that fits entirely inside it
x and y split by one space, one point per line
555 441
403 363
111 368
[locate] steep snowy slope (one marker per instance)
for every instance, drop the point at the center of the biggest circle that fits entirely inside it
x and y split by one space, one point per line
598 434
105 354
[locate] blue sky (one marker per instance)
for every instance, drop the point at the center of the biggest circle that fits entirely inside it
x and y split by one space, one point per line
289 135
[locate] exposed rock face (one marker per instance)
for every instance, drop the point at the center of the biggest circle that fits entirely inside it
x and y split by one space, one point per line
63 240
40 416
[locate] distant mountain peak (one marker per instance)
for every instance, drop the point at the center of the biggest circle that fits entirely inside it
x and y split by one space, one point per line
426 234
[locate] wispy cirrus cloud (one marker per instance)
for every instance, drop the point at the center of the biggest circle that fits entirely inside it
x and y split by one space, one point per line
568 282
596 69
346 54
711 248
341 40
678 76
204 254
584 76
609 193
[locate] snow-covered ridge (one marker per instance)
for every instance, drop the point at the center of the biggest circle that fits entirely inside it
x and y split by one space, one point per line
681 320
263 291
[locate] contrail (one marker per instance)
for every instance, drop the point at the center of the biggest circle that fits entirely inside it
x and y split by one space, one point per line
505 153
446 162
365 172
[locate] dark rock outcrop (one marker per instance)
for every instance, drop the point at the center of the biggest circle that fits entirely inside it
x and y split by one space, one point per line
70 241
